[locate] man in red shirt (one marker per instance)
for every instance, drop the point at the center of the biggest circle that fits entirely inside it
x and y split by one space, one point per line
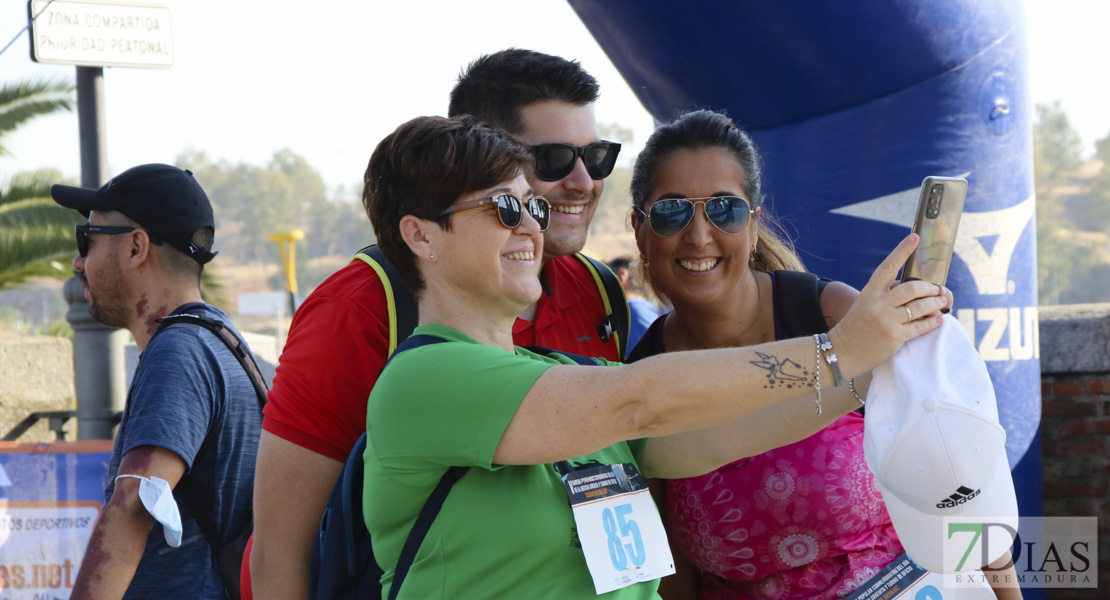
339 339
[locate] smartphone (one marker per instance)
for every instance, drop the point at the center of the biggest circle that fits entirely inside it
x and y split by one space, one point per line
938 217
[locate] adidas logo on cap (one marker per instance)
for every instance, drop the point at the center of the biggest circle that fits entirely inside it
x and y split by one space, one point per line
963 494
932 438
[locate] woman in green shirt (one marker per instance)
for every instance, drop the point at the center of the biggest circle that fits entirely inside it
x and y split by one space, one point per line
553 504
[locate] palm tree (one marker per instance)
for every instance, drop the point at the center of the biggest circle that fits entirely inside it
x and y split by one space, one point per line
36 235
24 100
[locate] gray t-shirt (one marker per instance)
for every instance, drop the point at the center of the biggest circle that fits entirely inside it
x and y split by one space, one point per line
191 396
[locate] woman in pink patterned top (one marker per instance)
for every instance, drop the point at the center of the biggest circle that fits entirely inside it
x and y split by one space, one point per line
801 521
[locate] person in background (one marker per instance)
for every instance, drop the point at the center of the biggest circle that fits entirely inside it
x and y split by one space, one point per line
640 309
462 225
805 520
339 338
192 418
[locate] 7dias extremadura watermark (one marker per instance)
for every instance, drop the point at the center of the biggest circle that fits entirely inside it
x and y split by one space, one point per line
1048 552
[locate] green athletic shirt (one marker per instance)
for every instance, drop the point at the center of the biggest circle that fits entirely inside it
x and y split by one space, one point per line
504 531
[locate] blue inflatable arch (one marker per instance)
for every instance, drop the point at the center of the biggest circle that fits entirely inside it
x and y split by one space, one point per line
852 104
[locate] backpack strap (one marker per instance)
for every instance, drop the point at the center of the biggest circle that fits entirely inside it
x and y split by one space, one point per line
423 525
431 508
233 343
798 302
398 300
584 361
228 566
651 343
617 320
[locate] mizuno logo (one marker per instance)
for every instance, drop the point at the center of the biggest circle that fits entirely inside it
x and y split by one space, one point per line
962 495
985 241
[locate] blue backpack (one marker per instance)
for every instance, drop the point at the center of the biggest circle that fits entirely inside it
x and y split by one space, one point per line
343 565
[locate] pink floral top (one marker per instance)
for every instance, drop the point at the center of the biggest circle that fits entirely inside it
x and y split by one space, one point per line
801 521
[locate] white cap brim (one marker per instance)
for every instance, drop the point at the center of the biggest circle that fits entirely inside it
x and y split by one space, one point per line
927 542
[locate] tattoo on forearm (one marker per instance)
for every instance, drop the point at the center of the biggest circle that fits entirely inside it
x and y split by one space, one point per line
781 372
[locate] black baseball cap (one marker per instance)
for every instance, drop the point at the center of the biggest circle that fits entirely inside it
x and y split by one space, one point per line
165 200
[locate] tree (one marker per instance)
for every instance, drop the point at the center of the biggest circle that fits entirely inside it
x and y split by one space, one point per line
26 99
1064 262
1056 147
36 235
252 202
615 203
1098 208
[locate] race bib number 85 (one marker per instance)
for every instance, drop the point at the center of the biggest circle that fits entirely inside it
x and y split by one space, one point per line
619 526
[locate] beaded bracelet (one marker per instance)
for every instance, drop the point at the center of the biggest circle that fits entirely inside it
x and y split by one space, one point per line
817 376
824 345
852 388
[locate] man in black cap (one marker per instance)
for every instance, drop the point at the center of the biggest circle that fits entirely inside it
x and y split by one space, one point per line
148 236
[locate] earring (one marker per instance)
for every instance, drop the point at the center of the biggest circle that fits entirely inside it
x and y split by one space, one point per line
644 260
751 256
432 256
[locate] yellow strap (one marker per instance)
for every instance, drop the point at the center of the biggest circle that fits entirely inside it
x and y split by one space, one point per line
604 295
389 300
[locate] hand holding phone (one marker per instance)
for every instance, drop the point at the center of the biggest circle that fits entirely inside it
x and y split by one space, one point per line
938 217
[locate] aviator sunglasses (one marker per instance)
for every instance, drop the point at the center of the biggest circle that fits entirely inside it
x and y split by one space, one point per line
555 161
83 232
510 209
668 217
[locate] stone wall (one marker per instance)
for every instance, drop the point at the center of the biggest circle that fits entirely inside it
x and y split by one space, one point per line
1075 424
36 374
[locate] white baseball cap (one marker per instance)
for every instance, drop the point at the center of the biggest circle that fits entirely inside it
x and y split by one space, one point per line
933 441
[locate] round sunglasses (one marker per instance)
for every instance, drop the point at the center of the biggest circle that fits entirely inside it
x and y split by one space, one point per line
555 161
668 217
510 209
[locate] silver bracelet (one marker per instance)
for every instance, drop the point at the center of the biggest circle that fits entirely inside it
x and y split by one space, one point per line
817 376
824 344
852 388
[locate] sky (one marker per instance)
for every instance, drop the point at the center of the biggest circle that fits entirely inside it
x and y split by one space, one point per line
328 79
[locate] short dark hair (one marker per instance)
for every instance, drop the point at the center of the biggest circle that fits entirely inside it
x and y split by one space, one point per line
422 168
496 86
175 263
181 265
708 129
620 262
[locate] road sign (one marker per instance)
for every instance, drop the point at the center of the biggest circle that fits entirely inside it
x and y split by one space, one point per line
101 34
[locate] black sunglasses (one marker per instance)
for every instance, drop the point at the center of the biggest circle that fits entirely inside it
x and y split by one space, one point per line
510 209
555 161
83 232
668 217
